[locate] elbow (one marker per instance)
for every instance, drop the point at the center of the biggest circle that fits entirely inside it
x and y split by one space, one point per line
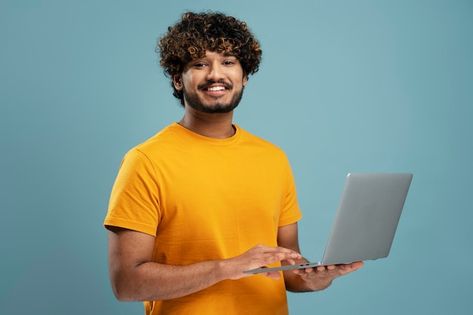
123 288
128 289
121 293
120 296
125 292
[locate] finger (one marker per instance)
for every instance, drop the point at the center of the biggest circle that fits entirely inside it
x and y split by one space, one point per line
289 255
265 248
357 265
273 275
282 250
290 261
286 256
352 267
304 271
278 256
269 249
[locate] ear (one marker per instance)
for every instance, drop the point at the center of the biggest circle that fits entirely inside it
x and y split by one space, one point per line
245 80
177 82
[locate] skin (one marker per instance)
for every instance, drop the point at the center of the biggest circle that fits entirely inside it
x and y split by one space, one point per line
213 67
135 277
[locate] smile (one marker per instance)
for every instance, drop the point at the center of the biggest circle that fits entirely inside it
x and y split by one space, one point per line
216 88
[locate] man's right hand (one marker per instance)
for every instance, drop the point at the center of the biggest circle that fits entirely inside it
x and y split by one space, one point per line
136 277
257 257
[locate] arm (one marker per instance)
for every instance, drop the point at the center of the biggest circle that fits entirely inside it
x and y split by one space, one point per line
310 279
135 277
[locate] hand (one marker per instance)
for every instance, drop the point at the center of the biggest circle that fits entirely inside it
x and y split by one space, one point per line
322 276
256 257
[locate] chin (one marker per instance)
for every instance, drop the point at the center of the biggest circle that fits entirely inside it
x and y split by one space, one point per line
218 109
213 105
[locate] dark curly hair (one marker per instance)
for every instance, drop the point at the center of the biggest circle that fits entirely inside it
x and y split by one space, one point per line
195 33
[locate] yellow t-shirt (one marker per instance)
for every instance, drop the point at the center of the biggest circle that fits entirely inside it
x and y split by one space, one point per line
206 199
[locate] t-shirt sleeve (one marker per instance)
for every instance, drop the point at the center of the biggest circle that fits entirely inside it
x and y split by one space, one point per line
134 202
290 212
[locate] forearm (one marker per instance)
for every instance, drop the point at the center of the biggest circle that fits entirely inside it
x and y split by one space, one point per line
152 281
135 277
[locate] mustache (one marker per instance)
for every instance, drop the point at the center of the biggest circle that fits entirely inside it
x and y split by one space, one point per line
207 84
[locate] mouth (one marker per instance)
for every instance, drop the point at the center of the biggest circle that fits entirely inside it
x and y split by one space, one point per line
216 89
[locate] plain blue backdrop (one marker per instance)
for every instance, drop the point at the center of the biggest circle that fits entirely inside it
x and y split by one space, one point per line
343 86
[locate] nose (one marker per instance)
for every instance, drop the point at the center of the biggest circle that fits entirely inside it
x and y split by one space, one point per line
215 72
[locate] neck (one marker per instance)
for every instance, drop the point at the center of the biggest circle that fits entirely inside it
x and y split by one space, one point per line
210 125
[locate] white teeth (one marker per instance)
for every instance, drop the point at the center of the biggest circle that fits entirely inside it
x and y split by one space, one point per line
216 88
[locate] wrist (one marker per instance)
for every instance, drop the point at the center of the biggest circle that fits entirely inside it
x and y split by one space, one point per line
222 269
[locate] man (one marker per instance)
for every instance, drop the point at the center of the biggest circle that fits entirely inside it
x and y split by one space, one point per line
203 200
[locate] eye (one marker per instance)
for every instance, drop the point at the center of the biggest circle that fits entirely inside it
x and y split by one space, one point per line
229 62
199 65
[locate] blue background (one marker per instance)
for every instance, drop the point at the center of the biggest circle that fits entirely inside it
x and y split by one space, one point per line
343 86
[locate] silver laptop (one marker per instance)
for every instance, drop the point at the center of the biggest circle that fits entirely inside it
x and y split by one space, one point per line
366 220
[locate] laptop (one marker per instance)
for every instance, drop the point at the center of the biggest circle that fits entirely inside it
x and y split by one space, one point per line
365 222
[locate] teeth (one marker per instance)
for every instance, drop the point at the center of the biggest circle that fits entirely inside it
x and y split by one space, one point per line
216 88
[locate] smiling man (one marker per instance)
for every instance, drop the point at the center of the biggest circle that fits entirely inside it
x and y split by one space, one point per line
203 200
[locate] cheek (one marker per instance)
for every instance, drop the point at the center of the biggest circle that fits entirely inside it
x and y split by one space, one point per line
187 82
240 77
189 79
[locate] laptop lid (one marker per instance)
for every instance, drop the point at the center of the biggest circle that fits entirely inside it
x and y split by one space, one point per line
365 222
367 218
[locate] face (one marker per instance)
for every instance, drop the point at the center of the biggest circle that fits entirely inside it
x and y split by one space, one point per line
212 84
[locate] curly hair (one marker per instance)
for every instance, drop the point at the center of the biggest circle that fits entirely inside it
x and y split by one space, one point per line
197 33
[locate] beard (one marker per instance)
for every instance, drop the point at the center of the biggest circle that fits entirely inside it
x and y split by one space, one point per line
192 99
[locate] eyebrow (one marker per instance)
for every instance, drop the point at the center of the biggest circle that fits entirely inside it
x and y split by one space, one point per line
205 58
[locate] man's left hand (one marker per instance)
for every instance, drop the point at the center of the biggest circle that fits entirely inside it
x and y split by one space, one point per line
321 277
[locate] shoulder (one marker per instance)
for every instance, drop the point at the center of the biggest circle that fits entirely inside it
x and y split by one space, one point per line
164 140
148 153
261 144
249 137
